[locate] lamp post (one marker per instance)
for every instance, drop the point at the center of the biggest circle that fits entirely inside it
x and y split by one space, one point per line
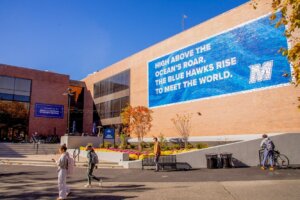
69 93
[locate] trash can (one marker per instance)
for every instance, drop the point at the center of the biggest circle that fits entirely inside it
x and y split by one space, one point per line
212 161
226 160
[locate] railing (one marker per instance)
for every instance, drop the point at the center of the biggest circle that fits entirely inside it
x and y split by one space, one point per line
76 154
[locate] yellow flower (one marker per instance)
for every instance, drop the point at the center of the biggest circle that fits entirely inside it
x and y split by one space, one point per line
133 157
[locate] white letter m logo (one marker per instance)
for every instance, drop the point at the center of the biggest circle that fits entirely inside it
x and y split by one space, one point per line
259 73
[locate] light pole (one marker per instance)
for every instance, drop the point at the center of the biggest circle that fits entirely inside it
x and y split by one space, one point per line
182 22
69 93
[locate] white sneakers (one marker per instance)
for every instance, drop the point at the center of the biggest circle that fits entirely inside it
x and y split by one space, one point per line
88 186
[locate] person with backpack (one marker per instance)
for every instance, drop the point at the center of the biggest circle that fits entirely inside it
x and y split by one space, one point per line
62 164
268 152
92 158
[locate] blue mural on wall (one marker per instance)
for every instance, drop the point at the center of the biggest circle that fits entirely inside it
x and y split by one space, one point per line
242 59
49 110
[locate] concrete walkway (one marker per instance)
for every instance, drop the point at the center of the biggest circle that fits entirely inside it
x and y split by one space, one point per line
27 182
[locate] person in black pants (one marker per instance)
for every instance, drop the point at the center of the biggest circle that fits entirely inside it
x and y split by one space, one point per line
156 152
91 165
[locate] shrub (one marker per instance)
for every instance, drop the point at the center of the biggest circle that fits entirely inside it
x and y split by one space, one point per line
123 140
151 145
144 144
107 145
176 146
201 145
132 146
189 146
162 140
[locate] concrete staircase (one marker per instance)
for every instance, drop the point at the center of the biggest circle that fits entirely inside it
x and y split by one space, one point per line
15 150
49 163
27 154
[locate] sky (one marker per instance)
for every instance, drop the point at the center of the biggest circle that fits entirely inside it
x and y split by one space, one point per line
79 37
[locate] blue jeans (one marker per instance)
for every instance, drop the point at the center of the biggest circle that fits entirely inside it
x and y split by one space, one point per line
268 156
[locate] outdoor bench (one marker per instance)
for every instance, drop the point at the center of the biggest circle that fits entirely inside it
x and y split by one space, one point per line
169 160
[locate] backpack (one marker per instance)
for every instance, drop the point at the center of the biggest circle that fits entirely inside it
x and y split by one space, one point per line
270 145
70 165
94 158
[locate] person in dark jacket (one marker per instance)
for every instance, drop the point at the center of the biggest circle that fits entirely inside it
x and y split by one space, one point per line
91 165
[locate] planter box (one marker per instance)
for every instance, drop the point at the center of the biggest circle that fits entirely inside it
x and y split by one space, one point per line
109 156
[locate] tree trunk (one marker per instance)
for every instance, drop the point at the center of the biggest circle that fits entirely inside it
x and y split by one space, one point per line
139 144
185 144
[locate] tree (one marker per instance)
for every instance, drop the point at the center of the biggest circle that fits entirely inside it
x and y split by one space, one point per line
183 126
13 113
290 17
137 120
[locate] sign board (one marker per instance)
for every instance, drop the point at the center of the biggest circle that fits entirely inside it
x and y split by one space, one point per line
242 59
109 133
49 110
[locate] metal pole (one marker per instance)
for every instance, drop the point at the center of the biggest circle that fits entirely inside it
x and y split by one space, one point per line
68 126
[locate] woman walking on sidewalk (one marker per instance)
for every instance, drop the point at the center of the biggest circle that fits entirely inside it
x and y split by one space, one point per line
93 160
62 163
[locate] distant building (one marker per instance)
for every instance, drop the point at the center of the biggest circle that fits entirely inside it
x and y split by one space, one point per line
33 101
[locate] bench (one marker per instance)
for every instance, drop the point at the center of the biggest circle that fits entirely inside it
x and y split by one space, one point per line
164 161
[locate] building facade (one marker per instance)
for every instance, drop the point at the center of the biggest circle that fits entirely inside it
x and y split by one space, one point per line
33 101
226 73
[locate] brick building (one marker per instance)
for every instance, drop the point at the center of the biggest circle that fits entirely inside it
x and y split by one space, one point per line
226 72
37 103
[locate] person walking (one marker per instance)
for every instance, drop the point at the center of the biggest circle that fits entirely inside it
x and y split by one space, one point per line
268 152
92 161
62 164
156 153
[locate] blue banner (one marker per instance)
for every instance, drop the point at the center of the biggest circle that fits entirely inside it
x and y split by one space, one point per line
49 110
109 133
242 59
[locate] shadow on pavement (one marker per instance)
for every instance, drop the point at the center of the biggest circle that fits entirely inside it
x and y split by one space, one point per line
36 192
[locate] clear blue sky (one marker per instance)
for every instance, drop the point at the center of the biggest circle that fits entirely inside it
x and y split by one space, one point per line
78 37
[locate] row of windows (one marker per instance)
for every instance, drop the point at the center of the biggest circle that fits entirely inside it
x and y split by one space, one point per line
15 89
112 84
113 108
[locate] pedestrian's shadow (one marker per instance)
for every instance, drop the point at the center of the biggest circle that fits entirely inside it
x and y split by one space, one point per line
99 193
104 197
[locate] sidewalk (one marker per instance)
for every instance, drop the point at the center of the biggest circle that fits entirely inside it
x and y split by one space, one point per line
241 190
19 182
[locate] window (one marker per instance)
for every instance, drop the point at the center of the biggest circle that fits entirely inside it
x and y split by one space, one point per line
112 84
113 108
15 89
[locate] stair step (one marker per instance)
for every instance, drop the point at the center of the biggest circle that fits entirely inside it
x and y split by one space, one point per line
51 163
17 149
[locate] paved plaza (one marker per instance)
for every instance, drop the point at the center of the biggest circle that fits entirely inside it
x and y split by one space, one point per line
31 182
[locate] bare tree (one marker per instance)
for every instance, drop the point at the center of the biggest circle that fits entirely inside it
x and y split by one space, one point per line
183 126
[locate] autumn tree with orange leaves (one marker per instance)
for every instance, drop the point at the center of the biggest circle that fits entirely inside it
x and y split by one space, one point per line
13 113
137 120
